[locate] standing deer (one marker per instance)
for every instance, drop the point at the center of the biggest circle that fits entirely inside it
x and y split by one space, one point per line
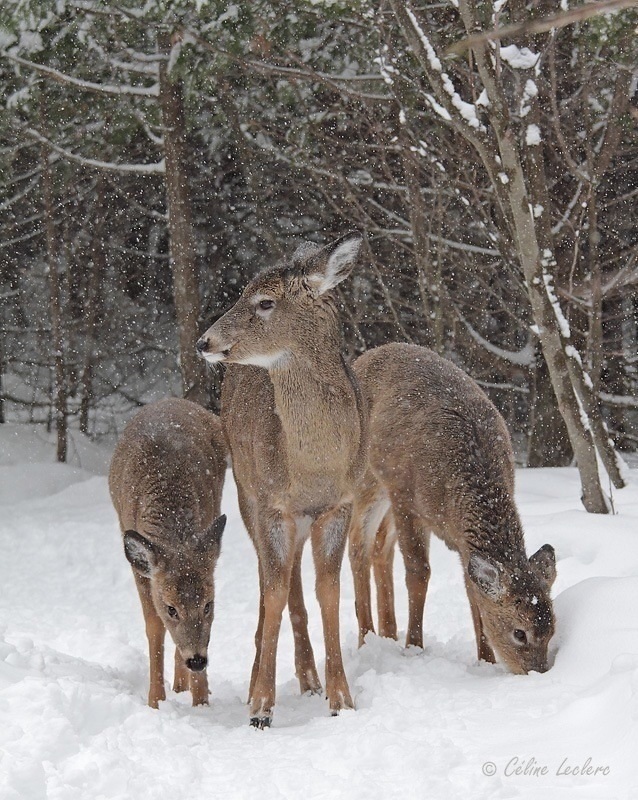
166 480
441 461
296 428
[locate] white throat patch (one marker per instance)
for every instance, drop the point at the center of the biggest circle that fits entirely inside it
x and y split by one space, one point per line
276 359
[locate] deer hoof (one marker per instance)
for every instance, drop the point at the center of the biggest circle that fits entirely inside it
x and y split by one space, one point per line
260 722
339 701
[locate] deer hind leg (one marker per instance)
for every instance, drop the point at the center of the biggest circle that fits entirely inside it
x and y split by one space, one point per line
276 556
181 681
483 648
415 547
370 506
382 560
155 633
305 667
329 534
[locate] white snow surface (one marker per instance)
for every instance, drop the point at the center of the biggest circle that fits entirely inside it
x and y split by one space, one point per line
73 666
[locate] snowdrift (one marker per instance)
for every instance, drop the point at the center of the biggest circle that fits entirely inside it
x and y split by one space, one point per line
431 724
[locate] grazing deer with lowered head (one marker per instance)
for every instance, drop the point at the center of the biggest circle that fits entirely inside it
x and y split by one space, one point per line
166 480
441 461
296 428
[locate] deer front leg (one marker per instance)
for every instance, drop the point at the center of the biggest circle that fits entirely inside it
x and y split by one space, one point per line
329 534
199 688
483 648
276 556
181 680
415 546
155 633
258 636
382 558
197 682
305 667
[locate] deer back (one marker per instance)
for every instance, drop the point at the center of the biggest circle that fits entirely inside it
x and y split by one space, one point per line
167 471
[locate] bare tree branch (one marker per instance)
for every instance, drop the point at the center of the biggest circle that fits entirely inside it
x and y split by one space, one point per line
155 168
570 17
88 86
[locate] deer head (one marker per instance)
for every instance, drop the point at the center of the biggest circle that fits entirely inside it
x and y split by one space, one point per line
515 606
182 586
284 308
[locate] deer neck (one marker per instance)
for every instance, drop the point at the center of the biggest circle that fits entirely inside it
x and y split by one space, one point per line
494 525
318 404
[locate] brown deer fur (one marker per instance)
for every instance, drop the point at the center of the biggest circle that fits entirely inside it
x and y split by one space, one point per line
166 480
441 461
297 434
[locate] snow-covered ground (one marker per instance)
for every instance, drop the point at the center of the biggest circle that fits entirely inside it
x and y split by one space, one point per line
74 724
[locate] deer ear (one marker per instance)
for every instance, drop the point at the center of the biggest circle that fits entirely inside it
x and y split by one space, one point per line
334 263
487 575
543 565
210 541
305 251
141 553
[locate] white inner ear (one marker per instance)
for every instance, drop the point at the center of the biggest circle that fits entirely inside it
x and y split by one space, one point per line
140 554
335 269
486 575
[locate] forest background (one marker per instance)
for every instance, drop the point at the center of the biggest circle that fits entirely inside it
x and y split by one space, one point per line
154 157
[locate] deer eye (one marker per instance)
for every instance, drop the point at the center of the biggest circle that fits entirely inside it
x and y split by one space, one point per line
172 612
207 608
520 636
266 304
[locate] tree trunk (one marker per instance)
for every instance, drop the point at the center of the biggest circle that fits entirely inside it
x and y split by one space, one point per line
595 332
548 439
615 381
59 388
92 304
2 369
537 268
195 383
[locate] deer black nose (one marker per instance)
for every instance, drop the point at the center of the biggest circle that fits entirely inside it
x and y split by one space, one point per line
197 663
202 345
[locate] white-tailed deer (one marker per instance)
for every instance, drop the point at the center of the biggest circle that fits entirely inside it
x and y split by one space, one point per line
441 461
166 480
295 425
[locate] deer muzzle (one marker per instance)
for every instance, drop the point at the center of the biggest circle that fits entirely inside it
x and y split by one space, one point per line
197 663
213 348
